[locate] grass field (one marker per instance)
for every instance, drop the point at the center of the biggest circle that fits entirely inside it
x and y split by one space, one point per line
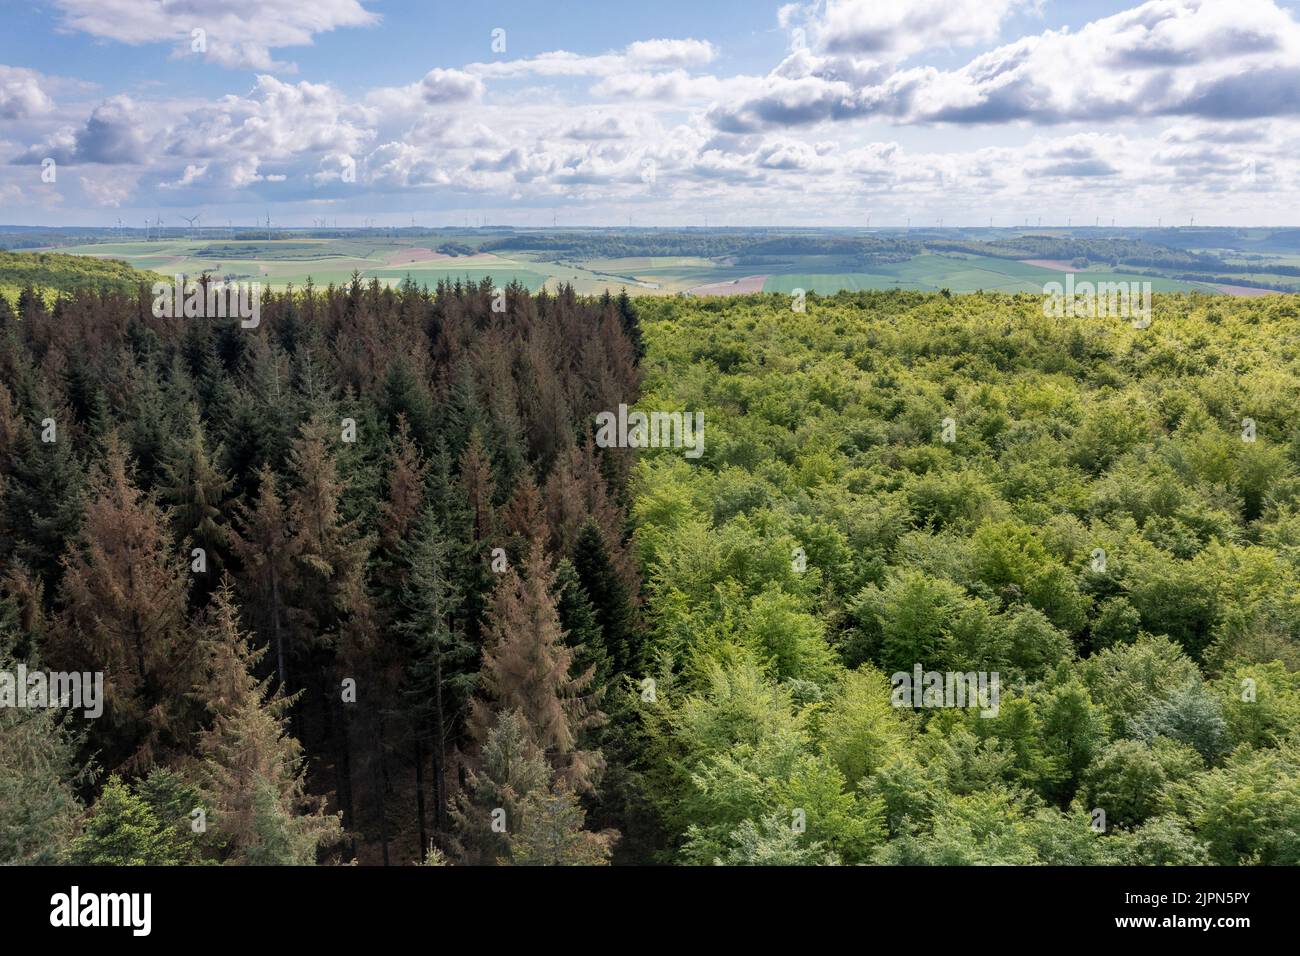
830 282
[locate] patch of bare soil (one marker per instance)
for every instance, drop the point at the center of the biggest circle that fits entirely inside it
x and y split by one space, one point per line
741 286
1245 291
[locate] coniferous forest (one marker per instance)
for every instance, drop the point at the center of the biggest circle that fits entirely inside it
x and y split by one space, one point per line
356 578
364 585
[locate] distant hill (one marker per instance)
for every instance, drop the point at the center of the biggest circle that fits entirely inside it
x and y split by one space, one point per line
53 272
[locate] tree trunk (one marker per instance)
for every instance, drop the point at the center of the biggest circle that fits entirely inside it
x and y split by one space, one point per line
439 750
275 625
419 796
383 787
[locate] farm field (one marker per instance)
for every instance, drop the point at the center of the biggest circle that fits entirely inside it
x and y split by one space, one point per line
282 262
931 273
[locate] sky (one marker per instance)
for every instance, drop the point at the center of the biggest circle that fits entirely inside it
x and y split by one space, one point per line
710 112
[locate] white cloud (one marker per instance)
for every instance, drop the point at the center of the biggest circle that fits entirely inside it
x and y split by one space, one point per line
116 133
896 29
450 86
108 189
662 53
638 56
237 33
1204 58
21 94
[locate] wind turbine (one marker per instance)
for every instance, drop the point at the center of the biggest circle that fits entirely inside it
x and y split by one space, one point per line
191 220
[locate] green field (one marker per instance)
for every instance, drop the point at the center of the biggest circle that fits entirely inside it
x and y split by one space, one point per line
502 275
830 282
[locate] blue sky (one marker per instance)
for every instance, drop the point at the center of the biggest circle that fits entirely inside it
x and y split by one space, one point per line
824 112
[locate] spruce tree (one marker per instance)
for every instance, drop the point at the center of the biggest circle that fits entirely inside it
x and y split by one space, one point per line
609 598
124 831
581 625
510 768
123 600
550 832
196 492
39 770
44 496
527 666
267 551
399 513
252 773
631 324
442 674
404 396
331 553
524 518
479 487
337 626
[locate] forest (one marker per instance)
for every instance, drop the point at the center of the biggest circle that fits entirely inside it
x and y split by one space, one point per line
356 580
365 588
50 273
1105 516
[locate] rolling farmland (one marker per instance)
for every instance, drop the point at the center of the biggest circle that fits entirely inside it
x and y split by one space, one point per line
550 262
